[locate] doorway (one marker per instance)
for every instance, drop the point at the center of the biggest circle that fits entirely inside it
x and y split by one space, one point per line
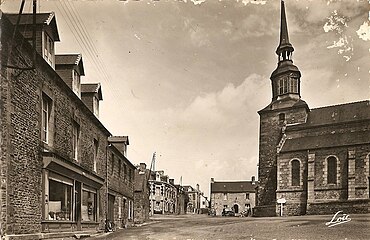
110 214
236 208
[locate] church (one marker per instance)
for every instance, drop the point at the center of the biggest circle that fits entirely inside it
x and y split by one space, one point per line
312 161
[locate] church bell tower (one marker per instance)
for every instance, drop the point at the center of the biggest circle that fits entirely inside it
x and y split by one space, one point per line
286 108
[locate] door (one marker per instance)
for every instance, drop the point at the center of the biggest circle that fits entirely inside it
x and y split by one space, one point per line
78 205
236 208
111 199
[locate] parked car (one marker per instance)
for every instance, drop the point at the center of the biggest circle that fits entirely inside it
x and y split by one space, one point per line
226 212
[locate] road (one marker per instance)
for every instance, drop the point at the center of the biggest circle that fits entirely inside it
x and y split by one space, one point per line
204 227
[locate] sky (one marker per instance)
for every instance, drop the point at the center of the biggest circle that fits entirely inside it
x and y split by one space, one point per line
185 79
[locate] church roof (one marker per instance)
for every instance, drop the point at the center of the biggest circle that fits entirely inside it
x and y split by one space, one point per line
324 116
339 113
232 187
326 141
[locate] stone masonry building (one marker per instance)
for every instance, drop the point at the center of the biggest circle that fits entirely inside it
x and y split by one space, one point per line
236 195
317 160
57 159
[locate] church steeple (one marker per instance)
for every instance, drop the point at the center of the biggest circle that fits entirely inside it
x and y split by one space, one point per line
284 36
286 77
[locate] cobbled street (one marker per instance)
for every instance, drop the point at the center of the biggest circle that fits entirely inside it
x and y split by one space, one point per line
206 227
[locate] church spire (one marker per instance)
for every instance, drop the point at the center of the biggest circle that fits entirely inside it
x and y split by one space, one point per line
284 36
286 77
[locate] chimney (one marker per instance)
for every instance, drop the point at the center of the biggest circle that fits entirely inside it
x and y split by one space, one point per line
197 187
172 181
253 180
142 167
120 142
212 180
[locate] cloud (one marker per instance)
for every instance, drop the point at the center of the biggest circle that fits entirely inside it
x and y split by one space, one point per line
364 32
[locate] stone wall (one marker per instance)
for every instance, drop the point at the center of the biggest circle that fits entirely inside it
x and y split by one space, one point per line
270 135
349 206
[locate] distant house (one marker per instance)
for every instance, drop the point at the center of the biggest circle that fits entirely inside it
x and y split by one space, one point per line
141 194
237 196
163 194
193 194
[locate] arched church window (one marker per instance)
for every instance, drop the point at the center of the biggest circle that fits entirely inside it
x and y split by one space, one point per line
332 170
295 164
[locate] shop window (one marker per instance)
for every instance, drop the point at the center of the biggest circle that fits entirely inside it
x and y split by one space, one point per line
295 165
59 204
332 170
88 208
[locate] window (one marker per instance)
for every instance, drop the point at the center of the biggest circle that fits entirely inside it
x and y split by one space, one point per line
119 168
96 106
247 196
281 117
112 162
225 196
157 191
130 175
48 49
295 172
46 110
96 148
294 85
59 204
76 83
124 171
75 139
332 170
281 86
119 208
288 85
89 206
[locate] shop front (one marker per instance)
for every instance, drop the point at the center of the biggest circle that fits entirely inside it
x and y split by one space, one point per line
71 197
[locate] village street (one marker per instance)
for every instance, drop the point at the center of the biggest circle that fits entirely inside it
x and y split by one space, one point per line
205 227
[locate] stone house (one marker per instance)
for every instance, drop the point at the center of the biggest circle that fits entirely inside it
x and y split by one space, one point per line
120 184
54 149
193 196
141 194
233 195
163 194
182 200
315 160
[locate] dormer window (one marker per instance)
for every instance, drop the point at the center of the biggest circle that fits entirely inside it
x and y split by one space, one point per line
48 48
76 83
